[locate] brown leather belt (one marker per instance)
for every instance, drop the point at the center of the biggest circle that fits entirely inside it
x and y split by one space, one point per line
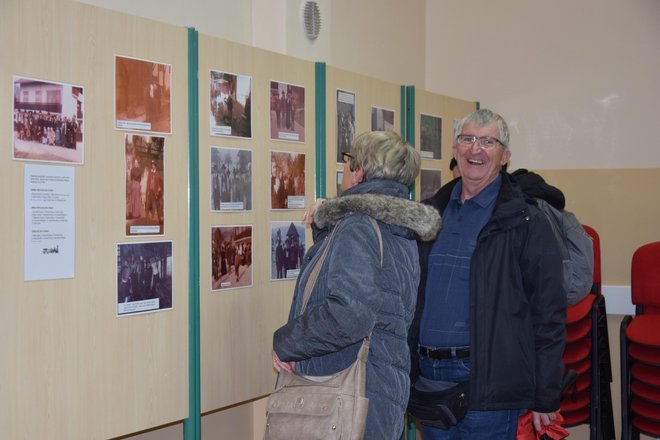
444 353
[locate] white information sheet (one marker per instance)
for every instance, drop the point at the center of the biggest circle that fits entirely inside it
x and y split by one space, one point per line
49 222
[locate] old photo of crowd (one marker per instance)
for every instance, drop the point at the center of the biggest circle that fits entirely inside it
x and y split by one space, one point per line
430 136
287 112
345 122
231 179
47 121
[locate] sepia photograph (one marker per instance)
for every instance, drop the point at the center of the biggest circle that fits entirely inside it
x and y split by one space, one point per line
287 112
144 277
287 248
345 122
143 95
287 180
231 179
430 136
231 257
144 184
230 104
48 121
429 182
382 119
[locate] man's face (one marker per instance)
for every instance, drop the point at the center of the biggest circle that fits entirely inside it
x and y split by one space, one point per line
479 166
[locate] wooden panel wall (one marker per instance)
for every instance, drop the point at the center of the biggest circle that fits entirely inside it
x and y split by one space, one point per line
368 92
70 369
449 109
237 325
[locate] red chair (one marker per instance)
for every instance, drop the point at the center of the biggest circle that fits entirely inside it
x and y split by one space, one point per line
640 348
589 399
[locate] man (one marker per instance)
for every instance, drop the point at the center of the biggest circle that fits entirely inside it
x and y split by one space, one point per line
491 309
155 193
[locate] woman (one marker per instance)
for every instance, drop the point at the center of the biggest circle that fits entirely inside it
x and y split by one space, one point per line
354 295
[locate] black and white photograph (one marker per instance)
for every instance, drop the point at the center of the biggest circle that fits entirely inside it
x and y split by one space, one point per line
382 119
430 182
287 180
287 112
345 122
231 257
340 177
287 248
143 95
231 179
230 104
47 121
430 136
145 187
144 277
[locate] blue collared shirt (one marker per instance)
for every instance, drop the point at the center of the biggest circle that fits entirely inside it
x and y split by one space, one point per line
446 316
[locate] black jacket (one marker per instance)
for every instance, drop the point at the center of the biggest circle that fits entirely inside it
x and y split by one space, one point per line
517 306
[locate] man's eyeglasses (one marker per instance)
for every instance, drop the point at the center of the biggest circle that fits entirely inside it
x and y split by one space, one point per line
485 142
346 157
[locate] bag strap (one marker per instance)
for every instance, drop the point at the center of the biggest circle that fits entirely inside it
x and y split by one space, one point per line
314 274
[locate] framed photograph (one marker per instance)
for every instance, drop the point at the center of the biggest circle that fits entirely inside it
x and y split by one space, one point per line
230 98
382 119
287 248
144 277
287 112
430 136
430 182
287 180
345 121
145 186
340 177
231 257
143 95
48 121
231 179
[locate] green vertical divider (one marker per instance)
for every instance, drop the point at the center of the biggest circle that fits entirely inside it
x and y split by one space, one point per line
192 425
478 105
320 130
403 113
410 125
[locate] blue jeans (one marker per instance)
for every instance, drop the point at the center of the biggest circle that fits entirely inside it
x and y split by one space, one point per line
477 425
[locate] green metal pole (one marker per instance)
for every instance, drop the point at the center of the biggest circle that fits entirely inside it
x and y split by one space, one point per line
192 425
320 130
410 125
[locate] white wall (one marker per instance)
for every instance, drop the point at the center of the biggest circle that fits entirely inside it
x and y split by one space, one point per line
577 80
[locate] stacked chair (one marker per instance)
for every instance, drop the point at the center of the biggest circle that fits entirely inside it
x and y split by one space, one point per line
640 348
587 357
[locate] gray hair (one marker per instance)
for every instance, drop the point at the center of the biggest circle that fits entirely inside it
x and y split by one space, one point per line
484 117
384 155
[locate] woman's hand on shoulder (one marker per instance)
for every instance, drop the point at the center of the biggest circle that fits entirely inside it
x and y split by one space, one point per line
279 365
308 217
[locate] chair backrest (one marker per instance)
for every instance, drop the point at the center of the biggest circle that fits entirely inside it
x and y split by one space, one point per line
596 240
645 278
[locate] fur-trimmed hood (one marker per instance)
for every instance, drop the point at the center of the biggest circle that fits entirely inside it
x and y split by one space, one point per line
421 219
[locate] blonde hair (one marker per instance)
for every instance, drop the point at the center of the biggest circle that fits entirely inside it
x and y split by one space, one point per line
384 155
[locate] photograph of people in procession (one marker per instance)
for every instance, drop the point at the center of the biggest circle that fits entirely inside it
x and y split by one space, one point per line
382 119
144 184
430 182
287 246
345 122
430 136
143 95
287 112
231 257
144 277
287 180
48 121
230 104
231 179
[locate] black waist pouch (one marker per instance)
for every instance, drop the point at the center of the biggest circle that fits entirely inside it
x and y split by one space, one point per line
439 409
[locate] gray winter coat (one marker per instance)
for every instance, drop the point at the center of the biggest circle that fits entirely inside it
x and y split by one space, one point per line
355 296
